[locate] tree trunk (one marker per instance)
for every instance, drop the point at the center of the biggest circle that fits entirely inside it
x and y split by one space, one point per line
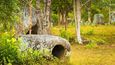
39 18
47 16
109 13
43 18
65 20
30 16
89 12
60 18
77 14
62 21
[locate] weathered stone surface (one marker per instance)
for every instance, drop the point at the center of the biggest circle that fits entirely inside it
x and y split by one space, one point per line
112 17
98 19
47 42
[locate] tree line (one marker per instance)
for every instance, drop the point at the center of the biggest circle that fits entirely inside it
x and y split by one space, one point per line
81 10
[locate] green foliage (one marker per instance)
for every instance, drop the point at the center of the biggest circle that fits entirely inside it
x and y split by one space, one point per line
96 7
54 19
67 35
113 23
64 34
30 57
91 45
99 41
95 42
24 3
61 5
35 57
9 11
9 49
71 18
11 54
88 32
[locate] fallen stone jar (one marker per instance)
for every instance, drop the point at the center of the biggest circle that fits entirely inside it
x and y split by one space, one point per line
48 44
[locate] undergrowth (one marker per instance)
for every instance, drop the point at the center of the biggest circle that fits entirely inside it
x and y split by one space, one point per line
11 53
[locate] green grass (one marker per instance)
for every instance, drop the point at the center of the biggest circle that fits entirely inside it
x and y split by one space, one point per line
94 33
101 54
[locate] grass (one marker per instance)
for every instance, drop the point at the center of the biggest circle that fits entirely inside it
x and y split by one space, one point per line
105 33
103 54
97 30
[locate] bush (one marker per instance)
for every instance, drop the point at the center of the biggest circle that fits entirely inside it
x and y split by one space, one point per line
9 49
35 57
11 54
30 57
67 35
55 19
64 34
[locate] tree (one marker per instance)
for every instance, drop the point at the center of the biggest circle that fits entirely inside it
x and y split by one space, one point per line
9 14
38 14
30 16
77 15
62 8
100 6
48 15
89 11
43 17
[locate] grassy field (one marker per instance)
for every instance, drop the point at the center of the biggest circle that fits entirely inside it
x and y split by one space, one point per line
101 33
101 54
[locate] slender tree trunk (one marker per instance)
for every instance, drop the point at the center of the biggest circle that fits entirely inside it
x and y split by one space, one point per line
62 21
30 16
109 13
77 15
60 18
89 12
65 20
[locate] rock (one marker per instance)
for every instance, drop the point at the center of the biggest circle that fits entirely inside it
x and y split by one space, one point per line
112 17
98 19
53 45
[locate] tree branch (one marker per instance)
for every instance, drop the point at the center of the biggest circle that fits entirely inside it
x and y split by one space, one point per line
85 3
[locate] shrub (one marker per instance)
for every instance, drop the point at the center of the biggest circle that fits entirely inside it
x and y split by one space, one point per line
64 34
67 35
9 49
11 54
35 57
55 19
30 57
